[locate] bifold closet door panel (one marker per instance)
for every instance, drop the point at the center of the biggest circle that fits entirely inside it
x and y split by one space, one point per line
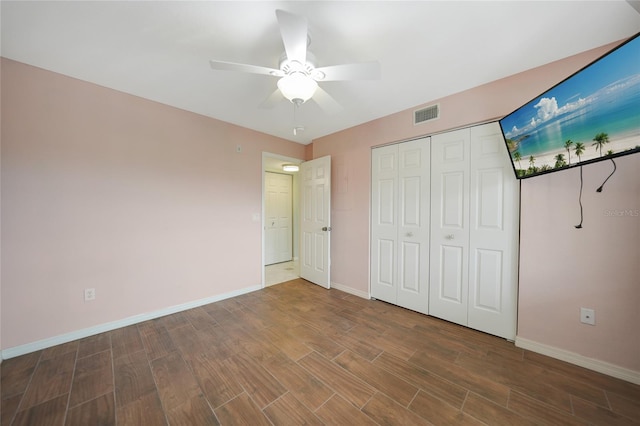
449 274
384 223
493 236
413 225
400 191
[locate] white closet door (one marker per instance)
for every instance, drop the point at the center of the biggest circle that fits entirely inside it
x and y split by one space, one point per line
493 239
384 223
448 290
413 225
400 224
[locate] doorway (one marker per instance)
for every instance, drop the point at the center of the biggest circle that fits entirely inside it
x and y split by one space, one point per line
278 266
278 218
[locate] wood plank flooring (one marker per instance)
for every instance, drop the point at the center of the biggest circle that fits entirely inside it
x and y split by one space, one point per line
294 354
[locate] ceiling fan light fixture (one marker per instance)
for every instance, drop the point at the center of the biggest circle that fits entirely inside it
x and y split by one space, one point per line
297 87
290 167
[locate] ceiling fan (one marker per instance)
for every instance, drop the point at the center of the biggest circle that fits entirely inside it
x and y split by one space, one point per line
297 72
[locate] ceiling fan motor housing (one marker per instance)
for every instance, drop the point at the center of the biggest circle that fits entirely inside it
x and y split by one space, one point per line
291 66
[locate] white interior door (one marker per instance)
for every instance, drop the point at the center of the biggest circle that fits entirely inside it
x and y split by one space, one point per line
315 221
493 238
448 290
278 218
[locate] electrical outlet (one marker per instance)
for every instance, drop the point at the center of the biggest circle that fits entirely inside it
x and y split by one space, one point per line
587 316
89 294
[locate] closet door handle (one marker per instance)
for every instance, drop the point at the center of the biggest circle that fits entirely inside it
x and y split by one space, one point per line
449 237
409 234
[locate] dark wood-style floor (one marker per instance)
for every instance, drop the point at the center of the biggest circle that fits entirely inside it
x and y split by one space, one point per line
296 354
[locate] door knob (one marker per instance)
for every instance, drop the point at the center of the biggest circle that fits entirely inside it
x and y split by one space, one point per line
449 237
326 228
409 234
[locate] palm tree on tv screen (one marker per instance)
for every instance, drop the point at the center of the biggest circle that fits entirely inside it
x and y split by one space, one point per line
579 149
567 146
532 163
517 156
601 139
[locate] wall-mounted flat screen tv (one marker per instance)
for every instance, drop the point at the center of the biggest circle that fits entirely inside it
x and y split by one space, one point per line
592 115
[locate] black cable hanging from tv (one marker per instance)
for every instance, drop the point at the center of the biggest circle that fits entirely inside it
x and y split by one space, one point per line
605 181
579 226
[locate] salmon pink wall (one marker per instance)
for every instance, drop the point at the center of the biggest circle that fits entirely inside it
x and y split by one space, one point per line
150 205
308 152
547 308
598 266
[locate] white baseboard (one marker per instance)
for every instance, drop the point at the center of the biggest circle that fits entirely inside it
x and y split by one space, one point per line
101 328
580 360
350 290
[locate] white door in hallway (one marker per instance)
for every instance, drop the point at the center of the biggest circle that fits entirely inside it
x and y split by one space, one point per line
315 221
278 218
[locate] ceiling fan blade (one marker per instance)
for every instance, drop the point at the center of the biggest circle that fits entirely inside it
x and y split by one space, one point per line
293 29
360 71
253 69
326 102
272 100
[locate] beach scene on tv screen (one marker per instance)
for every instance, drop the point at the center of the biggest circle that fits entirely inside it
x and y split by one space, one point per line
594 114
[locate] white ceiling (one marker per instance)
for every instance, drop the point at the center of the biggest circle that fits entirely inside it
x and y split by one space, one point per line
427 49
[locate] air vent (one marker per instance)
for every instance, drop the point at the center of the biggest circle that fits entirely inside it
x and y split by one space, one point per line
426 114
